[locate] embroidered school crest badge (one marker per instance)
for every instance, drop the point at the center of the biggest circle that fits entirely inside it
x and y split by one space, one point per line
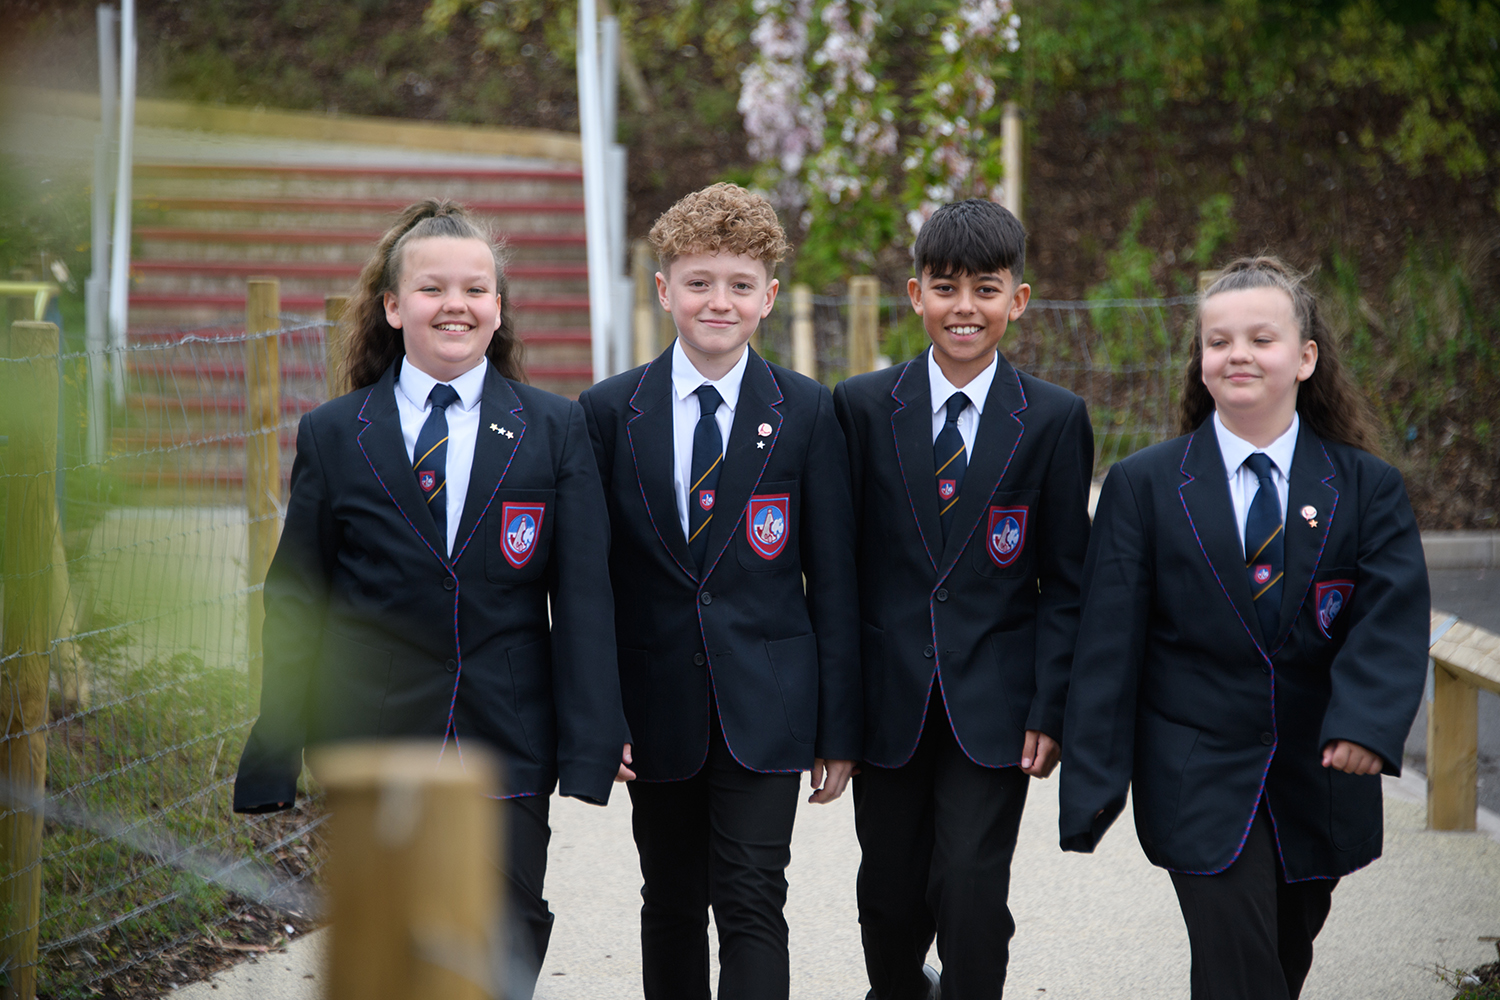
522 522
947 487
427 479
1007 534
766 525
1261 574
1330 597
706 499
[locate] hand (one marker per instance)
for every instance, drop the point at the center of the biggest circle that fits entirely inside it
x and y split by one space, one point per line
1040 755
837 773
1351 758
625 773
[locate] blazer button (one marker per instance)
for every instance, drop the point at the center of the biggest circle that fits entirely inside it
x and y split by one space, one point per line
927 652
448 583
452 666
706 597
1267 739
699 659
942 595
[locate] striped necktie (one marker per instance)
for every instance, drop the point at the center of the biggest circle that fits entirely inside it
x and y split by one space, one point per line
951 460
431 465
708 461
1264 545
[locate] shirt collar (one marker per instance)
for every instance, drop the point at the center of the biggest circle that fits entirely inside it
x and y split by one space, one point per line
416 385
686 379
977 390
1236 449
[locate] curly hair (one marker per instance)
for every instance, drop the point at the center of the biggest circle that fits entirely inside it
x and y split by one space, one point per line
1328 400
370 343
720 219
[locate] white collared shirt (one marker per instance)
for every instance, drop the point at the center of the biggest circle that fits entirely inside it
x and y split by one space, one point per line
412 390
685 412
1242 482
977 390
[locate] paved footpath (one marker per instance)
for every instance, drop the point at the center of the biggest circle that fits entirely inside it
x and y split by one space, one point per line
1099 926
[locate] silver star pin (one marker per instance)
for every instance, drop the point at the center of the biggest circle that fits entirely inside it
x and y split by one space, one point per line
760 444
509 434
495 428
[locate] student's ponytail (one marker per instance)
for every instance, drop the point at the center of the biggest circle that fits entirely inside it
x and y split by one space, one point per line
371 343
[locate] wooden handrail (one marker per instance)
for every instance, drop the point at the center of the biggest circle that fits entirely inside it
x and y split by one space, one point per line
1465 658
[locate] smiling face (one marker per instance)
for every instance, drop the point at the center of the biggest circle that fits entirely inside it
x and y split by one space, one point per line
446 304
716 302
1254 358
965 315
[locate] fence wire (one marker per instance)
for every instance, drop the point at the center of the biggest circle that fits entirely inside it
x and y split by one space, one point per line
148 696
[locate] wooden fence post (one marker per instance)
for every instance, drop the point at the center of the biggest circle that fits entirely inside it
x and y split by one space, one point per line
1011 156
647 308
1452 752
413 872
804 338
864 323
1206 278
333 345
262 449
29 394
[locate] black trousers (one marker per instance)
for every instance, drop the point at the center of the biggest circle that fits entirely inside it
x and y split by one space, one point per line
937 835
721 838
529 918
1250 929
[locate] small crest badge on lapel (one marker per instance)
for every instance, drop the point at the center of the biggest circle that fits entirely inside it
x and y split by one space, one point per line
766 525
706 499
1007 534
427 479
946 488
1330 597
764 430
522 522
1310 515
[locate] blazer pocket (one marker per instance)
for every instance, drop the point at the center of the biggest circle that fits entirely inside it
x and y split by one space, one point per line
518 535
350 688
795 663
1163 750
1002 543
872 663
531 686
764 541
1354 806
635 688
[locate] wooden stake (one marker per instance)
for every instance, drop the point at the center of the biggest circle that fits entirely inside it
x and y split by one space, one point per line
647 308
1010 152
1206 278
333 345
1452 751
262 449
29 389
864 323
413 872
804 340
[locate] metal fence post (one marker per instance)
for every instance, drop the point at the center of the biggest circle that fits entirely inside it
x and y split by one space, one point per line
804 342
262 449
864 323
30 397
413 872
333 345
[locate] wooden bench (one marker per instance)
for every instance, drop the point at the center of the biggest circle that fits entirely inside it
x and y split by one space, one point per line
1465 658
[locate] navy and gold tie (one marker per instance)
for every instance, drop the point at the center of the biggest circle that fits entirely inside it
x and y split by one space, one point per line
708 461
1264 546
950 460
431 463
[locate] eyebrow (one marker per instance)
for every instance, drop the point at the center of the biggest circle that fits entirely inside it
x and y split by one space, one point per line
947 276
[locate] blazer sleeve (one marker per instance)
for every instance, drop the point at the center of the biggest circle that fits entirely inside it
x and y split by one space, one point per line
1377 676
1062 548
832 598
1099 730
296 603
855 448
585 680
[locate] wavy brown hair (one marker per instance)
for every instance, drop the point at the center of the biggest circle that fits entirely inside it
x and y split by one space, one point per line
372 344
1328 400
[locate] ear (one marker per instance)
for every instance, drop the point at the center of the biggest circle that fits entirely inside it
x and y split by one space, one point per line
392 314
1018 301
661 292
499 311
1309 361
770 298
914 292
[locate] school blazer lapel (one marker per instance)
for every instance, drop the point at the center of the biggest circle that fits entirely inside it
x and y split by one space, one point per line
384 448
1210 514
1310 485
999 434
502 425
744 461
911 426
650 434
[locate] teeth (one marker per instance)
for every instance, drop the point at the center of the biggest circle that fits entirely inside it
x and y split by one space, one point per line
963 330
455 327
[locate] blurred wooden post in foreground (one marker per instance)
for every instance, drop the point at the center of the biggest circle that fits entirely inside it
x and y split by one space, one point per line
262 449
28 395
1465 658
804 338
647 308
864 323
333 345
413 874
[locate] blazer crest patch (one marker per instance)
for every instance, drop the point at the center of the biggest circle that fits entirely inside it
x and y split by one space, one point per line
1329 598
706 499
1007 534
766 526
522 523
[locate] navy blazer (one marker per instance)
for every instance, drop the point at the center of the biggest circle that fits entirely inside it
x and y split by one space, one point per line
991 616
372 631
781 661
1177 692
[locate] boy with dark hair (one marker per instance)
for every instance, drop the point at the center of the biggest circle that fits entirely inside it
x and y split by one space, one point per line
971 486
727 483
